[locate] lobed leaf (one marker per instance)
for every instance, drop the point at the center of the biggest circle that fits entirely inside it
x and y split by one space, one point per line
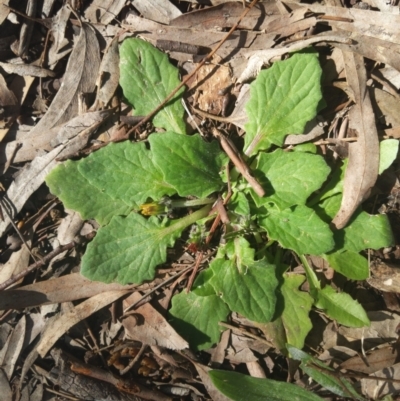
75 191
300 229
289 178
147 78
349 263
283 99
188 163
126 171
128 249
250 292
297 306
341 307
196 318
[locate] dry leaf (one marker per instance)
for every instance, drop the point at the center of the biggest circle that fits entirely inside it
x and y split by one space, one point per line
108 80
157 10
27 70
61 289
103 11
8 103
154 329
29 180
62 323
373 361
6 392
203 370
386 106
12 348
59 47
362 169
376 389
78 79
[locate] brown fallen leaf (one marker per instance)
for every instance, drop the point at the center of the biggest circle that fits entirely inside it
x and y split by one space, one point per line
78 79
12 348
386 106
8 103
27 70
363 166
375 360
154 329
376 389
32 146
103 11
61 289
60 324
157 10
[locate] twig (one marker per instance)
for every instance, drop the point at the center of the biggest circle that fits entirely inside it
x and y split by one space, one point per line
138 303
239 162
35 265
188 77
246 333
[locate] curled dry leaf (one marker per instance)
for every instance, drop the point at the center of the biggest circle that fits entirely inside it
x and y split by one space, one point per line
27 70
363 166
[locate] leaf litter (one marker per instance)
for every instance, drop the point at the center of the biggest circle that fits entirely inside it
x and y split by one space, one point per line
32 147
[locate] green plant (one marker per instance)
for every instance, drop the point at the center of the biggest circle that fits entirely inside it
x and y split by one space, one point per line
121 183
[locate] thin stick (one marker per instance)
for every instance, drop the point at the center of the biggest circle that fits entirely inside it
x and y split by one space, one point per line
35 265
240 164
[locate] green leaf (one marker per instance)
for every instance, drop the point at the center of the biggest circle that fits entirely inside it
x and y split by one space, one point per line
282 99
129 248
365 231
351 264
289 178
188 163
147 78
300 229
297 306
239 387
196 318
126 171
75 191
323 374
239 204
341 307
249 291
388 153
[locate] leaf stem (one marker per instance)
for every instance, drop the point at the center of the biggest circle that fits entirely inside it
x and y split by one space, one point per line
186 221
191 202
311 276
